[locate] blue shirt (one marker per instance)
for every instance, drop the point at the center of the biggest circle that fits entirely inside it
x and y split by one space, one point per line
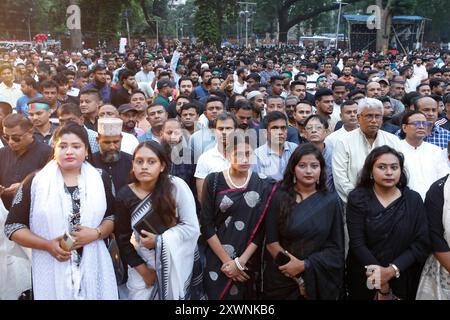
200 92
270 164
105 91
22 104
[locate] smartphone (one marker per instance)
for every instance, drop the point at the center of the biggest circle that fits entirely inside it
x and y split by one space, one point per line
281 259
66 242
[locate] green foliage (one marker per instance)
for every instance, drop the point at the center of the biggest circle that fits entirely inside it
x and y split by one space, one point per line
206 26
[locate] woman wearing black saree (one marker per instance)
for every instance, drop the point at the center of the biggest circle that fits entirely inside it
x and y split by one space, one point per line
304 233
387 225
234 203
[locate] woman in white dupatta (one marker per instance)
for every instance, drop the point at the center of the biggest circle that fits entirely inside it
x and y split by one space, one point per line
435 280
162 263
67 195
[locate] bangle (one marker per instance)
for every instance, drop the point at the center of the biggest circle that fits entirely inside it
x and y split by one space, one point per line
396 269
99 233
238 264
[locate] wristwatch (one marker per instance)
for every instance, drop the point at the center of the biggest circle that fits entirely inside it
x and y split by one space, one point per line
396 269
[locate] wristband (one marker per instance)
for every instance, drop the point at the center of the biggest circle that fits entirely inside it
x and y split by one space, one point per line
99 233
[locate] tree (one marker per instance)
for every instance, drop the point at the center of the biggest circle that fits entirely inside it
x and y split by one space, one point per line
206 27
289 14
156 10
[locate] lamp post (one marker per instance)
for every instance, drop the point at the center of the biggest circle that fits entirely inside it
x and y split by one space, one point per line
339 21
246 14
127 13
29 24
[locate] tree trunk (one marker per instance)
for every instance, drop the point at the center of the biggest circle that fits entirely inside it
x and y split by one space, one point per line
75 34
384 33
283 17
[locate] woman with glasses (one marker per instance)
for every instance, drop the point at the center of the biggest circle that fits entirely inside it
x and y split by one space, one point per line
425 162
387 225
316 130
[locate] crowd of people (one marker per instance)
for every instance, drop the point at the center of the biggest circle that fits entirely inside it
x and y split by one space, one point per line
192 173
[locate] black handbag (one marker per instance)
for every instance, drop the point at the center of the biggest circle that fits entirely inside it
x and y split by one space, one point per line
120 269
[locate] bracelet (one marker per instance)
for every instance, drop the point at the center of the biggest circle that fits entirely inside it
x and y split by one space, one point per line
238 264
396 269
99 233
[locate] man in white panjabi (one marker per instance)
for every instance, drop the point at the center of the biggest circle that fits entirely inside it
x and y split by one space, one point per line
425 162
350 151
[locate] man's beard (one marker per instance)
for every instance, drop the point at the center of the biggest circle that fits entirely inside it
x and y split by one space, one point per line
110 156
130 125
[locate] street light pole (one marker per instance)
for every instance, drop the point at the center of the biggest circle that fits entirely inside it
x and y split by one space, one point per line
29 24
339 21
128 28
246 15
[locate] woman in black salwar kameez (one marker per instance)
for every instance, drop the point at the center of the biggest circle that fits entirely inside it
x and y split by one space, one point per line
387 225
304 221
234 203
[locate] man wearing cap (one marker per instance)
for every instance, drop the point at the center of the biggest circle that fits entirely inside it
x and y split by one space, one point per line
39 114
8 89
110 158
397 105
165 91
100 83
129 141
128 113
22 156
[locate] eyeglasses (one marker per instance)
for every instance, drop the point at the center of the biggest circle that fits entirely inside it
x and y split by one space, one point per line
316 127
370 117
16 139
417 124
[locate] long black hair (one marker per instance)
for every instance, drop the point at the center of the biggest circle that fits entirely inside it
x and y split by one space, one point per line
163 202
366 180
289 195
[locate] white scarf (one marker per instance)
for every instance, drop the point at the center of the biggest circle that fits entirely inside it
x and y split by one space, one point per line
15 266
49 219
434 280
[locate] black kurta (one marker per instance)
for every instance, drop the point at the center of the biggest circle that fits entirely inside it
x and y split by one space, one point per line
380 236
118 172
14 169
314 233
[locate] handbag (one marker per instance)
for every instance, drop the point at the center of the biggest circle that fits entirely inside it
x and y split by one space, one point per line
119 266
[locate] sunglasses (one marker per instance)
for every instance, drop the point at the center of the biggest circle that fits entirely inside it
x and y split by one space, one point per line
13 138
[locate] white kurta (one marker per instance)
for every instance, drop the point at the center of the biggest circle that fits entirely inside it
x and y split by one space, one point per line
349 156
425 165
331 140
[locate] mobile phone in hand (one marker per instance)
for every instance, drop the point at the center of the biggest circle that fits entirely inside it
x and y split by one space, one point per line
281 259
66 242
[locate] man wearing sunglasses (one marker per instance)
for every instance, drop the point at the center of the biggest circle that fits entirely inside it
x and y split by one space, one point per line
425 162
22 156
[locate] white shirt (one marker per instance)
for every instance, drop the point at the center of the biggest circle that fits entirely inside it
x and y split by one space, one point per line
146 88
209 162
349 156
331 140
425 165
239 88
202 122
129 143
420 72
412 84
73 92
11 94
141 76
